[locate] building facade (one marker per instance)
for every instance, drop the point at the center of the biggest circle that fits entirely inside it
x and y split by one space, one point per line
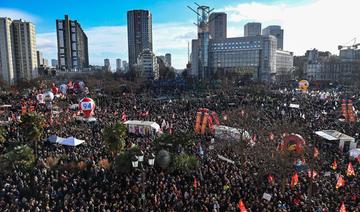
139 26
118 64
107 66
252 29
7 69
40 58
125 66
277 32
168 60
72 45
284 66
255 56
218 25
54 63
147 66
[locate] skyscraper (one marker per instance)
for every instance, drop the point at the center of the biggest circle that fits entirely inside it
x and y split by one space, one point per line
107 65
118 64
54 63
72 45
277 32
7 72
168 59
40 59
18 59
139 34
252 29
218 25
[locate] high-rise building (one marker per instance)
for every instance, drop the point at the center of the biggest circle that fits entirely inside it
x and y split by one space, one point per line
45 62
54 63
277 32
218 25
168 59
72 45
118 64
147 65
139 26
107 65
7 69
125 65
252 29
24 44
40 59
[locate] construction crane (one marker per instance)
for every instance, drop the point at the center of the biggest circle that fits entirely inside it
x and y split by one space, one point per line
354 46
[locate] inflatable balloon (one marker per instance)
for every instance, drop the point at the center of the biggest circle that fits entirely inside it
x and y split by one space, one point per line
48 96
303 85
81 85
63 88
87 105
40 98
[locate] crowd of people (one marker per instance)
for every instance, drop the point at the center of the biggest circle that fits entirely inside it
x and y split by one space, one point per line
216 185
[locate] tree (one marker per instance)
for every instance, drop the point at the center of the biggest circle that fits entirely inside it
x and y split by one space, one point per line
21 156
115 137
185 163
33 128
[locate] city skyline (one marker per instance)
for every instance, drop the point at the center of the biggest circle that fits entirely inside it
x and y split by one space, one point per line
108 33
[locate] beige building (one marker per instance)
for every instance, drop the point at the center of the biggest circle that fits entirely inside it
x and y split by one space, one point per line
18 51
7 71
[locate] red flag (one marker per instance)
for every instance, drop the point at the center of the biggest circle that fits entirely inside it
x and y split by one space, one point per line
294 179
334 166
123 117
254 137
342 207
270 179
242 206
340 182
316 152
350 170
195 183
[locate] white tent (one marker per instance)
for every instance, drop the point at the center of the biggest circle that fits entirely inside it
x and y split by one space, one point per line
354 153
336 136
142 127
225 132
55 139
71 141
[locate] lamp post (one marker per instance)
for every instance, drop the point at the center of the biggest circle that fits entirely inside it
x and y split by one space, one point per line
135 163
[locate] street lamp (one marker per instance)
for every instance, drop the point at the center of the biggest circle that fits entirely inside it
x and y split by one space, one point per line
140 157
135 162
151 160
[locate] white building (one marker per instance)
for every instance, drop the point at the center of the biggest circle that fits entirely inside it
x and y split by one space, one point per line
284 65
7 70
277 32
147 65
107 65
18 50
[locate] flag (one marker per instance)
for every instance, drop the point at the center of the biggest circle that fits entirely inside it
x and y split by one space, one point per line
340 182
334 166
254 137
316 152
242 206
294 179
195 183
123 117
270 179
342 207
350 170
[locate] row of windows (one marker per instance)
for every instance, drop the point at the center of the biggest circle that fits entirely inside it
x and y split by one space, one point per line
236 43
235 47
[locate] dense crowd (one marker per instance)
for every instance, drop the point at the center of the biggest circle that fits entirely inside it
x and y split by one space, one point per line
219 184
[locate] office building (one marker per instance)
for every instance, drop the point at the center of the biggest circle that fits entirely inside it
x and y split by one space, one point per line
218 25
7 69
139 26
54 63
252 29
45 62
277 32
284 66
72 45
107 66
168 59
147 66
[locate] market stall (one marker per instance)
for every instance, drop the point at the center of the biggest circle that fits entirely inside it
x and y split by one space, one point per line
142 127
